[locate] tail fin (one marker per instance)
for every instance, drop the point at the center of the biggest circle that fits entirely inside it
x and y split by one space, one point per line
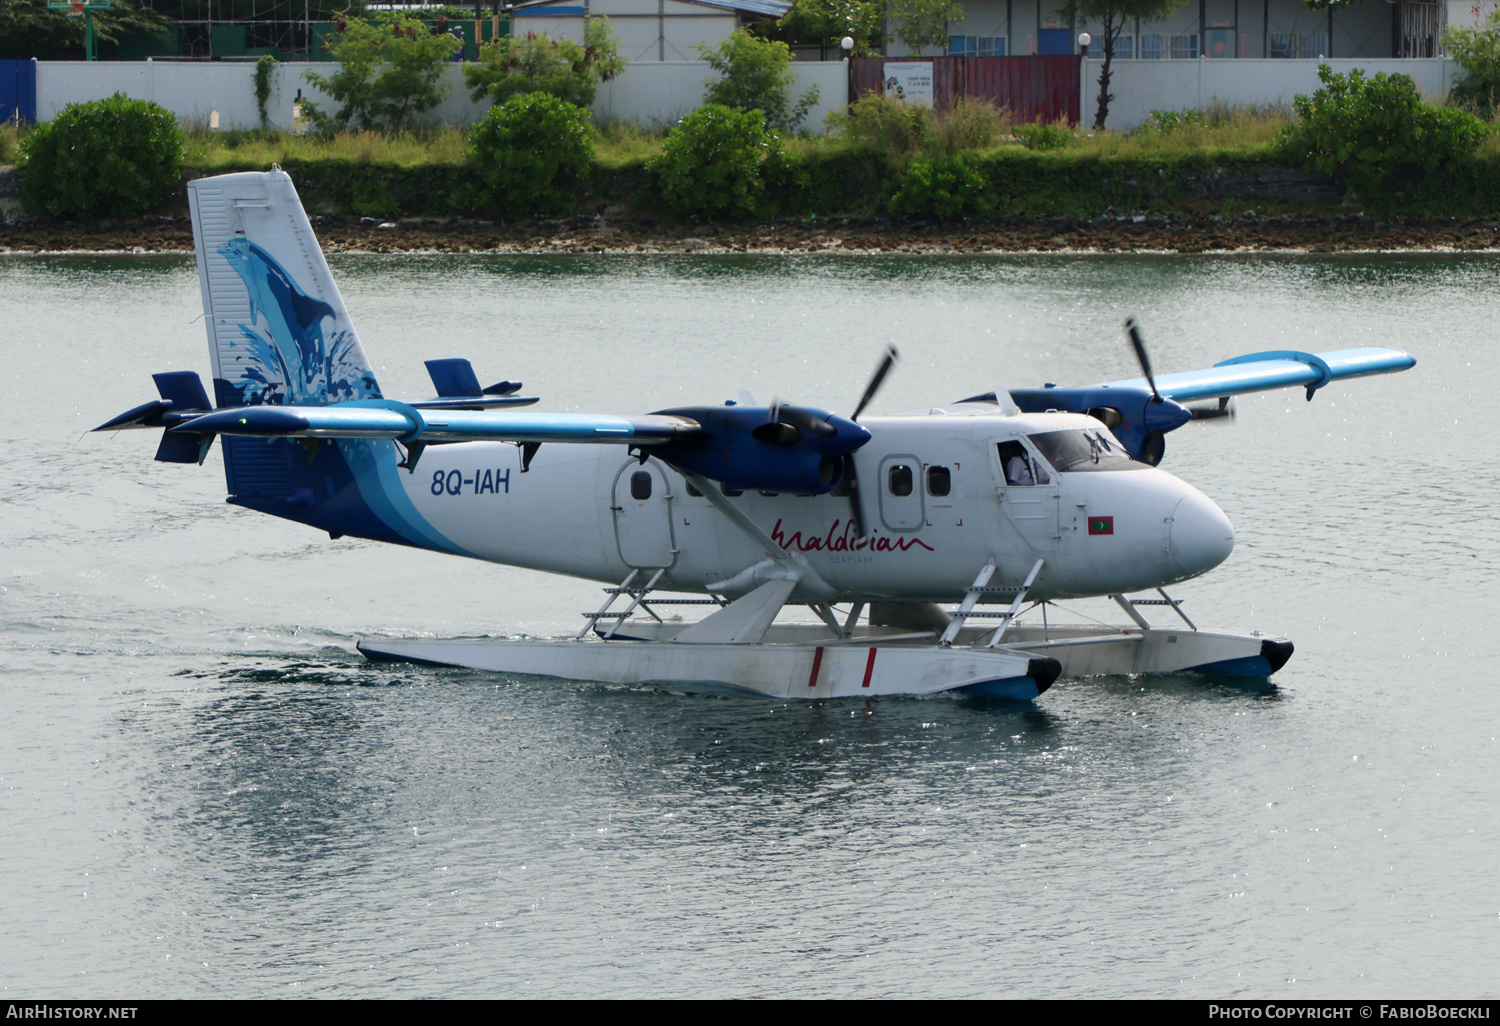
278 332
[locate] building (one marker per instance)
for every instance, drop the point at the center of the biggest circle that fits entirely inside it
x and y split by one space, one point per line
1219 29
648 30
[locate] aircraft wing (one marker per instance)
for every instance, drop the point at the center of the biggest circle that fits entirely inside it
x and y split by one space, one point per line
386 419
1282 368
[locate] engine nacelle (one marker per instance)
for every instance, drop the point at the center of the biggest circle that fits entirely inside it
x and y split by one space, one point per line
768 449
1137 420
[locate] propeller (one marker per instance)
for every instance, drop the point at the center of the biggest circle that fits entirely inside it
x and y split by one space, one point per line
1133 330
784 425
850 483
1222 410
887 361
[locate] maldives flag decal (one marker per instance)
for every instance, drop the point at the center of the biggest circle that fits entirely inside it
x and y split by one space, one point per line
1101 525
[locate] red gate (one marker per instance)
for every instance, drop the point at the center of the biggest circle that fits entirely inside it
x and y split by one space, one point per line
1034 88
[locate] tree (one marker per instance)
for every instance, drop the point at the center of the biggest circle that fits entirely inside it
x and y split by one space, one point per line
826 22
922 23
389 73
1477 52
1113 16
757 75
539 64
27 26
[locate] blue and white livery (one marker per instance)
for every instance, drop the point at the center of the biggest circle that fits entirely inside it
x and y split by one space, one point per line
917 540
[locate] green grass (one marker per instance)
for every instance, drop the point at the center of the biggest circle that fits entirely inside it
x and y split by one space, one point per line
10 138
623 143
214 151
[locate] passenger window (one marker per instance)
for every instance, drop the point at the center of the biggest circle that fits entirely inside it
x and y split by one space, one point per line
899 480
695 493
640 484
939 481
733 493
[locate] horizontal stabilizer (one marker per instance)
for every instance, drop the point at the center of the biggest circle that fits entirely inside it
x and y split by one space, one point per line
176 448
182 398
144 415
458 388
454 378
389 419
1262 372
183 389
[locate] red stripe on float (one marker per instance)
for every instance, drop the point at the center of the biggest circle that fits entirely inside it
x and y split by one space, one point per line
812 681
869 668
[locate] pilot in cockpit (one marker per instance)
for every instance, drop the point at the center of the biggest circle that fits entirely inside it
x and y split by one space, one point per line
1017 467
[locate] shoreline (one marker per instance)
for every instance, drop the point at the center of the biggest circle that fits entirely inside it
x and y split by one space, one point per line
1145 234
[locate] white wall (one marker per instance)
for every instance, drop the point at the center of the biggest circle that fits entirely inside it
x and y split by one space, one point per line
650 93
658 94
192 91
653 93
1139 87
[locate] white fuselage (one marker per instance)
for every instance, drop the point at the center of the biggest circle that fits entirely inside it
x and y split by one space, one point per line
936 507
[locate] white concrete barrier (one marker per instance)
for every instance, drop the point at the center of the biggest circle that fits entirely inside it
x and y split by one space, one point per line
1141 86
221 94
659 93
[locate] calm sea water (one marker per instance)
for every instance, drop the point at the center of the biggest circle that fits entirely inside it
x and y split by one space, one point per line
204 791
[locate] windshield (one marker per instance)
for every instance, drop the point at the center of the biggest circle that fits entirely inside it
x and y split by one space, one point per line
1084 449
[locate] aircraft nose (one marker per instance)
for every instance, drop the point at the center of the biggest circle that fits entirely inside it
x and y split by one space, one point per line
1201 536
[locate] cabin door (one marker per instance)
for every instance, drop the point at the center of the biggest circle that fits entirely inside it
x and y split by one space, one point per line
642 512
1028 494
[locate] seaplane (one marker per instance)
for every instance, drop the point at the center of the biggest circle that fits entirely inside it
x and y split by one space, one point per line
917 541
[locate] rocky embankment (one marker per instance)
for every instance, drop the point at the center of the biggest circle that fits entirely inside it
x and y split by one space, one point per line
1249 231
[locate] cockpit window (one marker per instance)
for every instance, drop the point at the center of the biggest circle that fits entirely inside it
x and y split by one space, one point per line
1084 450
1019 467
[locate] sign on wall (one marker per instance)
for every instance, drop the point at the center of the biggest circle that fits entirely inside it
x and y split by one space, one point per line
910 82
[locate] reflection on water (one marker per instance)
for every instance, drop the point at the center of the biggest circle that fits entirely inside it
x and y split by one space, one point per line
215 795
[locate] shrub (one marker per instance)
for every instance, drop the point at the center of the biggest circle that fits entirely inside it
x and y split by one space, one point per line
971 123
900 130
531 154
1376 135
944 188
1045 137
389 71
713 162
117 157
1477 52
1165 122
757 75
889 125
539 64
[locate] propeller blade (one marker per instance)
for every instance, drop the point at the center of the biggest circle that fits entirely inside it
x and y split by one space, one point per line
1223 410
1133 330
886 363
850 487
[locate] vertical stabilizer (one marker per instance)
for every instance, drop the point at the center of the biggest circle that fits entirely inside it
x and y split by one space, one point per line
278 332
